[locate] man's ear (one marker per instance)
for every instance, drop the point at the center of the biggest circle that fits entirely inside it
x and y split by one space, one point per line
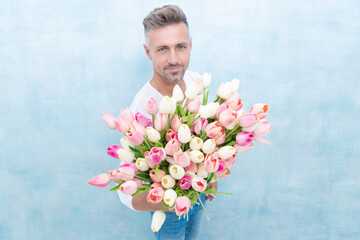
147 51
190 43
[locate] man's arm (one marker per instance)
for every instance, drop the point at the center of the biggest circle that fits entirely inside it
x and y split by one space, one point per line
140 203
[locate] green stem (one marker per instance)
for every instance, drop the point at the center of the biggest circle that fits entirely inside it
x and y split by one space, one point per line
222 193
207 216
153 120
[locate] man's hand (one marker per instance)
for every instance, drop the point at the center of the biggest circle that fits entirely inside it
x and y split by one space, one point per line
211 196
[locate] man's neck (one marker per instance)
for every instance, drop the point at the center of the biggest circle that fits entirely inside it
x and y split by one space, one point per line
165 87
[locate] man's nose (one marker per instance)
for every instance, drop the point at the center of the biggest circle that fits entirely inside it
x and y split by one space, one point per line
173 57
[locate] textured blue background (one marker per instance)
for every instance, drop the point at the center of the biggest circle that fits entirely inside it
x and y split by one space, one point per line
65 63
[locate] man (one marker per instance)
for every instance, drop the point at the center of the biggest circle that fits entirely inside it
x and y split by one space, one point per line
168 46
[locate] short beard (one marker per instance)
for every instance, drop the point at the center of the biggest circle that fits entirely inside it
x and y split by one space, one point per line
174 78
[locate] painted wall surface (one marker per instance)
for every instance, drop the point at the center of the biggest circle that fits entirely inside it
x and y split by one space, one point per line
65 63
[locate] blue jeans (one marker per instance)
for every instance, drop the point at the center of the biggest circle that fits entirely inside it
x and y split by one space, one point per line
175 229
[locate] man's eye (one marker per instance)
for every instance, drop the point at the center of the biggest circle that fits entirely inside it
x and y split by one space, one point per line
161 49
182 47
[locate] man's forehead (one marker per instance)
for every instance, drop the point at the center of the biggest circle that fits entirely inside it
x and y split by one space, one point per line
174 34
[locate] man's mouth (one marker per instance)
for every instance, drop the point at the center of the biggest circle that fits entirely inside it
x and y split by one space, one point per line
174 69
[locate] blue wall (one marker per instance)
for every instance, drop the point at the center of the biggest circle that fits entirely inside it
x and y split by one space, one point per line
65 63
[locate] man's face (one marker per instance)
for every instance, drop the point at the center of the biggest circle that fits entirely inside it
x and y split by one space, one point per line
169 49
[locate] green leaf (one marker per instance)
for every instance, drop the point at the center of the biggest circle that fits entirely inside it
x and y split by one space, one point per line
117 187
159 144
134 150
210 178
139 191
209 191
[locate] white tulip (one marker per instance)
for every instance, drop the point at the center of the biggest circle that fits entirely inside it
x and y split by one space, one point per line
141 164
191 91
184 133
235 85
168 181
158 220
170 197
209 146
178 94
196 143
196 156
176 171
206 80
224 91
209 110
125 143
201 172
226 152
152 134
167 105
125 155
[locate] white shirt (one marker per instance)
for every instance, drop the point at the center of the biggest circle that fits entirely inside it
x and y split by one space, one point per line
139 104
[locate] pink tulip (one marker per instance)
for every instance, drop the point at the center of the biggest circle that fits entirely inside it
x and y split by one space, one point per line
170 160
122 125
152 107
138 182
127 115
224 173
214 130
260 109
129 187
222 166
156 185
244 138
182 205
211 163
125 173
230 161
262 129
193 105
171 134
182 159
236 105
185 182
157 154
222 107
135 138
101 180
176 123
263 141
227 118
135 126
131 165
112 151
161 121
199 124
200 85
114 175
141 119
148 160
156 177
233 96
198 184
248 120
192 167
172 146
241 149
220 139
155 195
109 121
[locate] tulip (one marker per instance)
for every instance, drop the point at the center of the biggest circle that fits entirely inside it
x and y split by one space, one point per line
170 160
156 176
263 141
222 166
112 151
223 107
148 160
141 164
201 172
224 173
198 125
192 91
260 109
114 175
209 110
152 107
224 90
234 96
214 130
176 123
152 134
168 182
125 173
129 187
211 163
125 143
161 121
200 85
209 146
122 125
101 180
172 146
191 168
191 174
141 119
135 138
206 80
184 133
158 220
226 152
155 185
193 105
196 143
155 195
182 159
157 154
262 130
176 171
230 161
228 119
167 105
235 85
135 126
247 120
127 115
244 138
185 182
235 105
125 155
182 205
171 134
220 139
170 197
109 121
196 156
178 94
198 184
241 149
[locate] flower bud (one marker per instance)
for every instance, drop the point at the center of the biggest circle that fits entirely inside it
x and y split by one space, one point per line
178 94
226 152
141 164
129 187
184 133
152 107
209 146
109 121
167 105
152 134
196 156
206 80
125 155
101 180
168 182
196 143
170 197
198 184
176 171
158 220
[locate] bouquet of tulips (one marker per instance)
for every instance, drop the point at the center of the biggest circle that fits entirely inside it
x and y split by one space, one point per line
187 144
